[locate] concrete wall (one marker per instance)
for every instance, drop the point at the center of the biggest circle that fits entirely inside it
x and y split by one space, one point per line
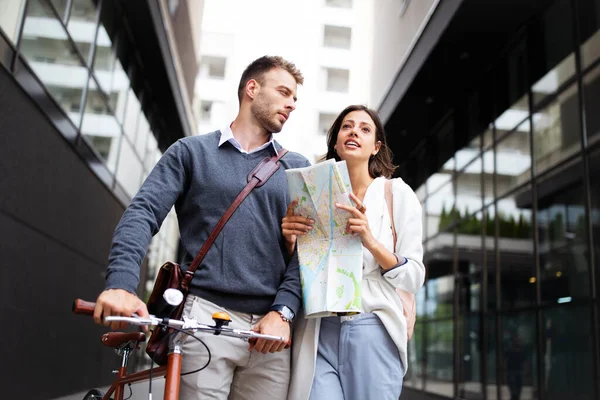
56 220
398 24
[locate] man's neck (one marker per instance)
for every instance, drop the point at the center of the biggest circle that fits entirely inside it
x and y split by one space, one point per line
248 133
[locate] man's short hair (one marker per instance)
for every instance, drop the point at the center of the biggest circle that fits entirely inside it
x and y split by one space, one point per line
261 66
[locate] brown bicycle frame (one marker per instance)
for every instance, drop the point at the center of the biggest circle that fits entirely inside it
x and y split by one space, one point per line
171 371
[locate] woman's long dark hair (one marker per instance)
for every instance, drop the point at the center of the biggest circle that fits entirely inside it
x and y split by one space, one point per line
381 163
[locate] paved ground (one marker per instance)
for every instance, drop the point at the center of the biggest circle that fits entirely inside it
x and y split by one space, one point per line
140 391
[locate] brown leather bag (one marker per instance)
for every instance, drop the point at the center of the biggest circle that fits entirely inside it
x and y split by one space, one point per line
408 299
171 275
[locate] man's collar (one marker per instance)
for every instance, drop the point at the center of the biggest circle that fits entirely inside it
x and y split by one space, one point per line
227 136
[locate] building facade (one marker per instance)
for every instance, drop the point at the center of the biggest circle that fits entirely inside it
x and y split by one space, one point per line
328 40
91 94
492 110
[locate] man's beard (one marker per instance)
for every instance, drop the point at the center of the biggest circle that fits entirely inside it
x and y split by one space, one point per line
261 111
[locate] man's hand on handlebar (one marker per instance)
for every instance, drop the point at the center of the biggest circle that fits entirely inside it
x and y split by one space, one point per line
118 302
271 324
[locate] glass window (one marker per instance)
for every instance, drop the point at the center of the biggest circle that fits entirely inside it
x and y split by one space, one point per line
337 80
414 375
470 351
490 252
204 110
132 113
143 132
492 373
556 130
440 357
468 242
515 250
568 363
61 7
46 46
512 117
212 67
468 153
339 3
513 159
441 177
129 171
589 30
440 209
468 189
10 16
591 90
595 212
440 292
151 149
563 239
337 36
100 128
82 25
552 62
488 137
325 122
488 168
553 80
518 357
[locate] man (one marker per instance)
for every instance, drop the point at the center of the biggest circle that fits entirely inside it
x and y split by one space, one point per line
247 272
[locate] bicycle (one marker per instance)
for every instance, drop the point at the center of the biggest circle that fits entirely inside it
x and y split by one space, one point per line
124 343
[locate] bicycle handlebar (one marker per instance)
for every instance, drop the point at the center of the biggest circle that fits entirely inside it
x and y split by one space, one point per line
192 324
82 307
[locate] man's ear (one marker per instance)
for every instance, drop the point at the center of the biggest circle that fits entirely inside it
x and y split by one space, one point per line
252 88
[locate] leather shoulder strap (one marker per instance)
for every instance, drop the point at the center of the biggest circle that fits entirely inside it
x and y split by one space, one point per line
390 204
263 171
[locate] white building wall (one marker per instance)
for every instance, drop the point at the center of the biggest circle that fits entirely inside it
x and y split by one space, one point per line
399 25
242 31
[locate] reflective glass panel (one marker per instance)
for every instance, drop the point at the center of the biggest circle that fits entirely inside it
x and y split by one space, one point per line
100 128
129 171
10 15
589 30
48 51
414 375
556 130
471 346
563 240
440 297
82 25
513 159
568 362
591 90
518 358
132 113
468 189
440 210
515 250
440 357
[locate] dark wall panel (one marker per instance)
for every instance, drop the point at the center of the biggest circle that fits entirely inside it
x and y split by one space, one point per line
56 222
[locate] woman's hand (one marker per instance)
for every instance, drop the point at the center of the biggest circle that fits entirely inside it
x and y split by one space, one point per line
358 222
293 226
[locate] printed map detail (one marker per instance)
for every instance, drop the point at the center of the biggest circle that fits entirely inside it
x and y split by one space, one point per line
330 258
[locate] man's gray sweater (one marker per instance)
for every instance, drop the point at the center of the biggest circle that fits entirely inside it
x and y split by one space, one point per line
247 268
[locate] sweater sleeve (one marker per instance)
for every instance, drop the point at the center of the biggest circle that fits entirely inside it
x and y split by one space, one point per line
409 276
290 291
143 217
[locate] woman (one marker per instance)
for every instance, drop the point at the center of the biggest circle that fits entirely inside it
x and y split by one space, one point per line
364 356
